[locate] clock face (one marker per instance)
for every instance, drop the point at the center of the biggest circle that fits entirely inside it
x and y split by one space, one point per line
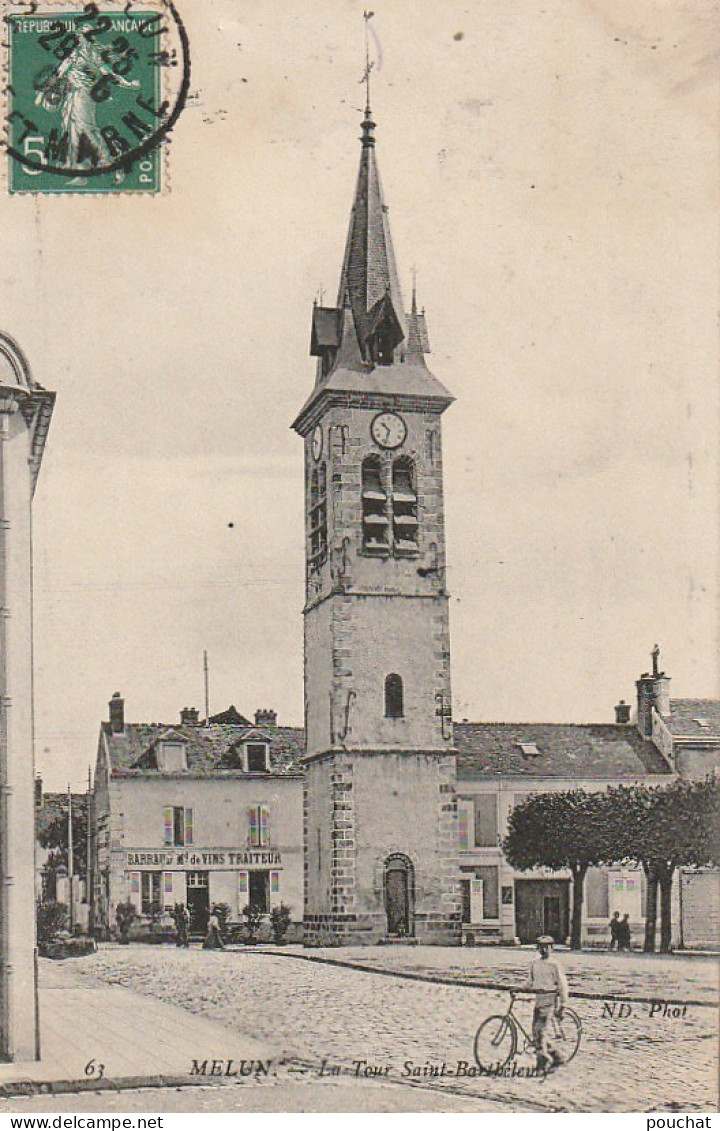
388 430
316 443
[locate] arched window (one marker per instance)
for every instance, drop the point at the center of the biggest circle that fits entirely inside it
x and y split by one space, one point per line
318 516
375 523
404 497
394 697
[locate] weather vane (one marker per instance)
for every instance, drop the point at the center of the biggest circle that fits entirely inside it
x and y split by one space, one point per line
367 16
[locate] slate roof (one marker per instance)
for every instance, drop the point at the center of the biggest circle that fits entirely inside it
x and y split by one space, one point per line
369 271
686 712
209 748
492 750
485 750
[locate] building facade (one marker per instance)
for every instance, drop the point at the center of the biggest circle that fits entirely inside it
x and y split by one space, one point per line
25 413
380 820
196 813
499 767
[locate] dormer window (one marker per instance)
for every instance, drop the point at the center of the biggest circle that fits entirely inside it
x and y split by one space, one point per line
381 349
256 757
384 331
171 756
702 723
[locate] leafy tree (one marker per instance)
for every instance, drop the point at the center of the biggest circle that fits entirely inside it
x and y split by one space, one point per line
51 917
663 828
280 922
125 914
563 829
55 837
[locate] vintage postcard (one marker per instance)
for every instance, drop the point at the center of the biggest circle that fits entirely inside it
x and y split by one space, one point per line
359 706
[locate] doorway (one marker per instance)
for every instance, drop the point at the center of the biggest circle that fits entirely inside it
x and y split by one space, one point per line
399 896
259 893
552 921
198 901
542 907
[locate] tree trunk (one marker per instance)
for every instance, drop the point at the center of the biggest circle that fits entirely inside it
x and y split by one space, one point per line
650 907
578 874
666 879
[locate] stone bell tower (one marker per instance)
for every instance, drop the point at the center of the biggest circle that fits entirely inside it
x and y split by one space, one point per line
25 411
380 805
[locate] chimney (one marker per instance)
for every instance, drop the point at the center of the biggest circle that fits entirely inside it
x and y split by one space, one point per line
189 716
645 702
622 712
38 792
661 692
265 718
117 713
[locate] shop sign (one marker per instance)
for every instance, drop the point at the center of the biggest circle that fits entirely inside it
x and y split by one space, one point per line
181 858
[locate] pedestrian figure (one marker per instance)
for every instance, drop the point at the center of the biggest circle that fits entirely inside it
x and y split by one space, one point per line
181 915
614 925
546 979
624 935
213 939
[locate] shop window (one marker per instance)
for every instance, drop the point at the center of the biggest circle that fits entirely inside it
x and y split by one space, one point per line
178 826
375 524
259 826
394 697
486 820
259 893
490 904
256 757
405 509
150 891
318 516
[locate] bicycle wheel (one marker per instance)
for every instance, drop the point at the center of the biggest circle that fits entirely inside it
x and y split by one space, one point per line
495 1042
565 1036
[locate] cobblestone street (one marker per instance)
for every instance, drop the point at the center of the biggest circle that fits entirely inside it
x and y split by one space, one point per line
389 1027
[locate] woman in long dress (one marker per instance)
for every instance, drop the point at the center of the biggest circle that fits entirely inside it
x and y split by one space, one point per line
69 90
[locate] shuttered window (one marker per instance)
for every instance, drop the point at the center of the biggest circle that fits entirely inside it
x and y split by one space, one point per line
259 818
486 820
178 826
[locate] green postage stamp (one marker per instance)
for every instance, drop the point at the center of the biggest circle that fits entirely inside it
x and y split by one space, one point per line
92 96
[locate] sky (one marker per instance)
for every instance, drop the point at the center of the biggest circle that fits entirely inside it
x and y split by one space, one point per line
551 174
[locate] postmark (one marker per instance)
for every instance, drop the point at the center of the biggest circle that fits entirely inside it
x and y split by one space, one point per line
93 95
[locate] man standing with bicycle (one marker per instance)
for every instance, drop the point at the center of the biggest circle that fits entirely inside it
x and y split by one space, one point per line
547 981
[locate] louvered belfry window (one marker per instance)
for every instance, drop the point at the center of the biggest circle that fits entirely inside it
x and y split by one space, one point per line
318 516
405 508
375 522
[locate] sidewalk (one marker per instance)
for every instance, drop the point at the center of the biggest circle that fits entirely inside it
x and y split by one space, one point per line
134 1038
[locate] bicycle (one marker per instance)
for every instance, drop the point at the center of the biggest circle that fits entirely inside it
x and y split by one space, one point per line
498 1038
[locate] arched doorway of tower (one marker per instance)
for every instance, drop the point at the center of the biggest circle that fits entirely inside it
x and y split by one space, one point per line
399 883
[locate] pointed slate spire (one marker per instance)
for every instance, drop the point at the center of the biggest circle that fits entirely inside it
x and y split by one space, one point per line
417 344
369 275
